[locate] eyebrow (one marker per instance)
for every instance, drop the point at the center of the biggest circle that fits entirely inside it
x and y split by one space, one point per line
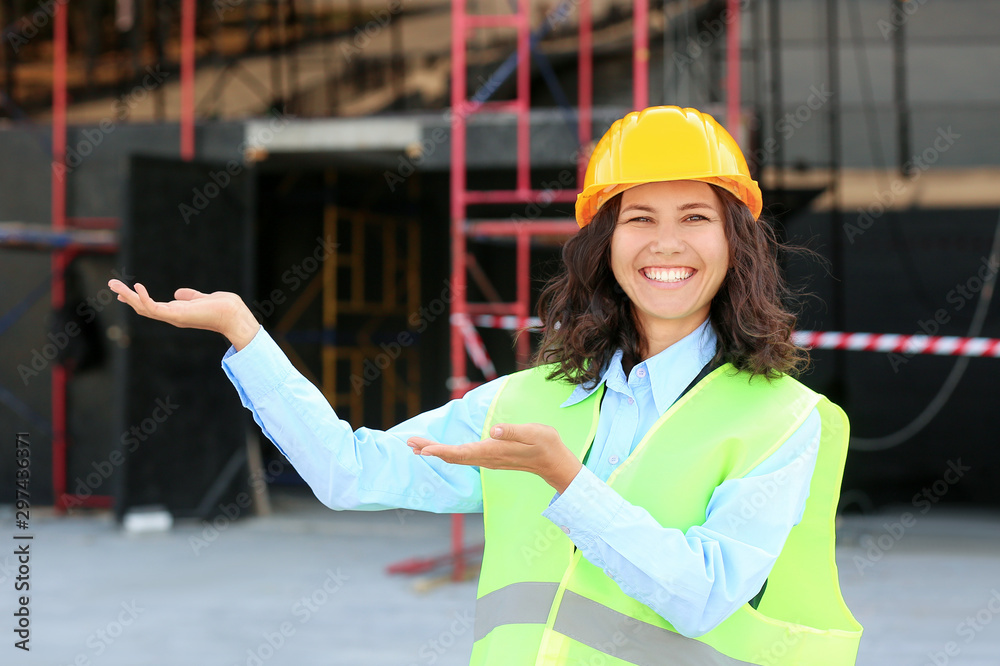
697 204
649 209
637 206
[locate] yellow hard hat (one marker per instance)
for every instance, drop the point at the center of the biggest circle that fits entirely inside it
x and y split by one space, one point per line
665 143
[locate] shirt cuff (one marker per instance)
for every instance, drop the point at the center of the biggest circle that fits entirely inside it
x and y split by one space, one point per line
258 368
585 509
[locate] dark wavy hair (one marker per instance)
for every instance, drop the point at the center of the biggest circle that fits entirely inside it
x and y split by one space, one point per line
586 316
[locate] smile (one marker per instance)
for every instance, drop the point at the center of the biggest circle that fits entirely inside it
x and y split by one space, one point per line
668 274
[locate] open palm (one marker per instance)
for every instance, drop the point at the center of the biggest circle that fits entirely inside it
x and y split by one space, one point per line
221 311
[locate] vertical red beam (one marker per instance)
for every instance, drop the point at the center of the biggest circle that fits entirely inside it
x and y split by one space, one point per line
733 68
523 293
459 108
640 55
459 309
59 258
188 10
524 96
585 89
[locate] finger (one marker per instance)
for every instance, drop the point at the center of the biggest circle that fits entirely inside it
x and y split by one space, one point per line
521 432
150 308
143 294
450 454
119 288
187 294
418 443
126 295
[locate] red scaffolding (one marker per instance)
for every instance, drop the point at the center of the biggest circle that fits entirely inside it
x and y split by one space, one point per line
464 337
62 238
465 341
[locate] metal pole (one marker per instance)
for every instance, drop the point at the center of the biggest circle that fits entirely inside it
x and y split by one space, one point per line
59 258
774 16
733 68
459 308
584 89
640 55
524 98
188 11
900 92
836 234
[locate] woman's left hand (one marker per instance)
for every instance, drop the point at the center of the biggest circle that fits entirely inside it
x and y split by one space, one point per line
529 447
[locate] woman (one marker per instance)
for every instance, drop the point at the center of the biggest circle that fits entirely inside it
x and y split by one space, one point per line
645 486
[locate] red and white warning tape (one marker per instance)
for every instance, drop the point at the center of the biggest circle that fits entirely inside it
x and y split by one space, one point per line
508 322
474 345
941 345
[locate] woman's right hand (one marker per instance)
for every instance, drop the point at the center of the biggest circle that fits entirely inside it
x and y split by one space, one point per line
221 311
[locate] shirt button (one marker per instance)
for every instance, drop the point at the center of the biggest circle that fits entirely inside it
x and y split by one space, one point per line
613 460
564 529
631 401
641 372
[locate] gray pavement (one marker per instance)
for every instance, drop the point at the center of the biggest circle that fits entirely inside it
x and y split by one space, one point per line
308 586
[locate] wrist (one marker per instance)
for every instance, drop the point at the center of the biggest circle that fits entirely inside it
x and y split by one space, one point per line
241 325
564 473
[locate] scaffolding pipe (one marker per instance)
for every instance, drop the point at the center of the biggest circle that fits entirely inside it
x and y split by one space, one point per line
585 91
523 97
458 249
59 257
640 55
733 68
188 12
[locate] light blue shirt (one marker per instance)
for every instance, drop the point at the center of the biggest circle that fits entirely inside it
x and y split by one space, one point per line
694 579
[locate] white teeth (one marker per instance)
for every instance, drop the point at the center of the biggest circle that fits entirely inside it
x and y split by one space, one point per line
668 274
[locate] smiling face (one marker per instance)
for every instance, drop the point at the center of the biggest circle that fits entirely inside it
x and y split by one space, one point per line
670 255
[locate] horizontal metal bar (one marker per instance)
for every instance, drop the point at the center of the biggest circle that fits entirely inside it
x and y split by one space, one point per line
473 21
492 308
511 228
517 196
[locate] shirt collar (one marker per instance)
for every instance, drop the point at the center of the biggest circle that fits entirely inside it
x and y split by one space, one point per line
670 371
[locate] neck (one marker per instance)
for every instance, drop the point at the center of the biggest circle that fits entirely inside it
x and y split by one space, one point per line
663 336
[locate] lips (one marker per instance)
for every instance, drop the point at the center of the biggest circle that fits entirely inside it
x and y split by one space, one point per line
673 274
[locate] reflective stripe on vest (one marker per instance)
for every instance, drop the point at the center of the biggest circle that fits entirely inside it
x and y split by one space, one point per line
593 624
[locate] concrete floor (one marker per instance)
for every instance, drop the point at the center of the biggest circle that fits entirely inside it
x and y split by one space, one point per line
308 586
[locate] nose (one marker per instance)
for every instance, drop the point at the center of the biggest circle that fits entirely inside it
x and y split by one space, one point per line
667 238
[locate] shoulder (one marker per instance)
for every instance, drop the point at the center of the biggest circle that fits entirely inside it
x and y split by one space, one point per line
729 385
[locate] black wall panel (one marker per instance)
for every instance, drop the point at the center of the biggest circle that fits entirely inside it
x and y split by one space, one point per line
189 224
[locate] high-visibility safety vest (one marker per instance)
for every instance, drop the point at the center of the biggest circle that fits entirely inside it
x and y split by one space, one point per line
540 602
